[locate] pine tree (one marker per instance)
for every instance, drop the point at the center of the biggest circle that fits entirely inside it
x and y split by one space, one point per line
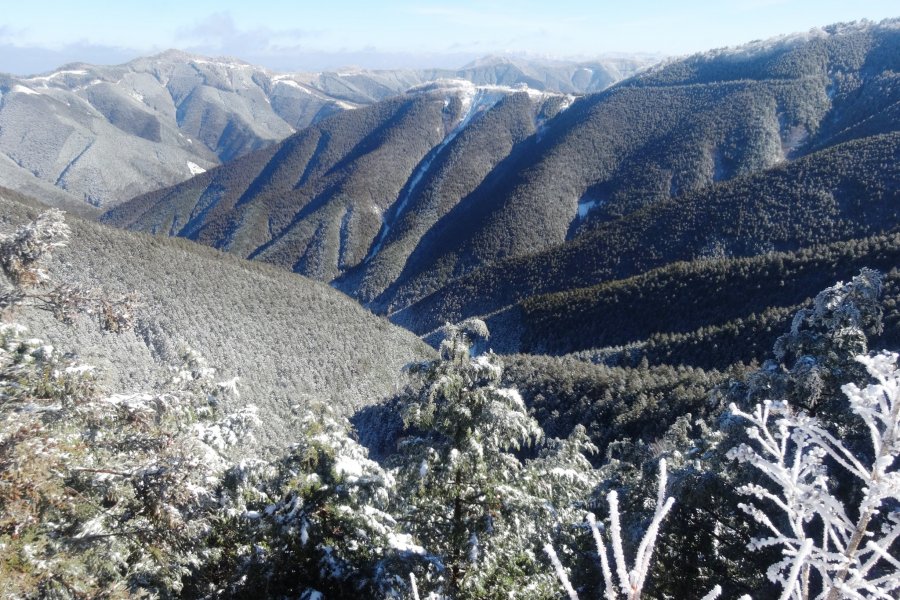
100 493
478 508
459 457
314 521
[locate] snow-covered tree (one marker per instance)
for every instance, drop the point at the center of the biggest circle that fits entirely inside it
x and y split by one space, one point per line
23 258
101 494
833 547
458 460
817 355
480 510
314 521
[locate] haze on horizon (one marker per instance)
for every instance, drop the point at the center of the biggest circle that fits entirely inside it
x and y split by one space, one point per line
290 36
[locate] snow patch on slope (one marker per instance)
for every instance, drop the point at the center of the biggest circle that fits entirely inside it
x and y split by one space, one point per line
194 168
792 139
55 74
21 89
465 88
475 100
584 207
283 80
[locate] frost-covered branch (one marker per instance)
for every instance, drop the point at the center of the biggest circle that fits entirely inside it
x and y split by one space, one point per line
23 260
620 581
819 534
109 494
631 581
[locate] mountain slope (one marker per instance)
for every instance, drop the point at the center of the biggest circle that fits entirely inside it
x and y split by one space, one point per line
356 191
662 135
291 340
849 191
406 198
90 131
685 297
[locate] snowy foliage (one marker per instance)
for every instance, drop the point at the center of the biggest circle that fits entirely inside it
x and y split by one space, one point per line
103 492
479 510
137 494
831 549
24 253
315 520
620 581
100 493
630 581
820 347
23 258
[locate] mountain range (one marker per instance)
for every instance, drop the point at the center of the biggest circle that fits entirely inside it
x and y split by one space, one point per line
457 200
81 136
653 251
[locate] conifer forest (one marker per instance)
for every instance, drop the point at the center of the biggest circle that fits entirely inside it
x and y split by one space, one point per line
528 329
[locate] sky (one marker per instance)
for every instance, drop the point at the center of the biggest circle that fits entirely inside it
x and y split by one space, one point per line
288 35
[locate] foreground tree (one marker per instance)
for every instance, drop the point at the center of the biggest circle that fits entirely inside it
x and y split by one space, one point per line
314 521
831 549
466 494
100 494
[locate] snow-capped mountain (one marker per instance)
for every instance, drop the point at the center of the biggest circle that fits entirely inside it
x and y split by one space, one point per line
102 134
420 205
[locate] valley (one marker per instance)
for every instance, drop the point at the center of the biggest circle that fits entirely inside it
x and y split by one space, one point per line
457 200
455 333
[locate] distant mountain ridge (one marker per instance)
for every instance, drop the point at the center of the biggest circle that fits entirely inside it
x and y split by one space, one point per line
102 134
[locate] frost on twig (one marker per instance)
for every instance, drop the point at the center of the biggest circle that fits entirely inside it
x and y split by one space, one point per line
830 550
560 571
620 581
23 260
630 581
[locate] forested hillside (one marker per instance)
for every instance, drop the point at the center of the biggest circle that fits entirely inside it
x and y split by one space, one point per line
289 340
849 191
336 195
457 201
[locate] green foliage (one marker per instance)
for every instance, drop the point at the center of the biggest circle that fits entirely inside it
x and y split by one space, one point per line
314 519
736 306
847 191
465 492
100 494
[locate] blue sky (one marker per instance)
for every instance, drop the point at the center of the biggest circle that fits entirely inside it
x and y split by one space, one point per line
39 35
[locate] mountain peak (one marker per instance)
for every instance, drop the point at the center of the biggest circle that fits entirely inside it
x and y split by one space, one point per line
181 56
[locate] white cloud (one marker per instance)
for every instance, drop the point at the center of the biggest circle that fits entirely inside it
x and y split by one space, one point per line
219 33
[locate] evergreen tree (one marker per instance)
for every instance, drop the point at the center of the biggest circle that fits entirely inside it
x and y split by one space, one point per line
314 521
479 509
101 494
